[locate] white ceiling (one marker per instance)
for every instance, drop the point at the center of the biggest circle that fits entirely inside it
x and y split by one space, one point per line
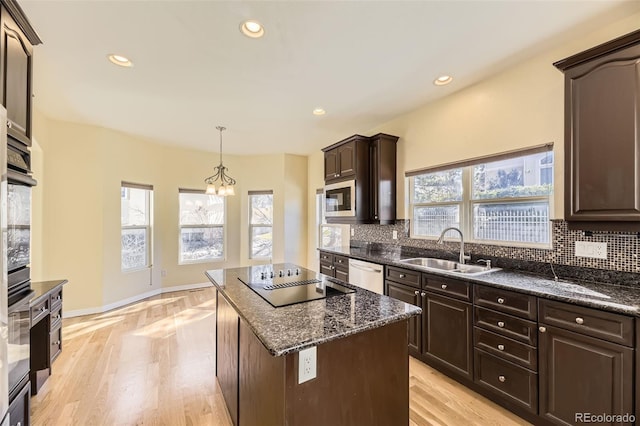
365 62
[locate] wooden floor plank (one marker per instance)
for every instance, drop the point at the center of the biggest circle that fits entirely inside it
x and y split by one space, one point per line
153 363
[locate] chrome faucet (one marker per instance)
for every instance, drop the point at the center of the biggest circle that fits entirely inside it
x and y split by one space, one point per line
463 257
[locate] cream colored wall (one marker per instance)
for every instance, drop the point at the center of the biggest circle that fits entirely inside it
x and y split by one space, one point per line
81 169
520 107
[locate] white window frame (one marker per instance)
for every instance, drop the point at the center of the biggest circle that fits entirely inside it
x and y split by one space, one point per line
223 226
467 204
251 225
125 186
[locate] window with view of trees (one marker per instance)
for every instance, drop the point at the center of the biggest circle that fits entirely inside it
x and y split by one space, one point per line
506 200
135 219
261 224
202 218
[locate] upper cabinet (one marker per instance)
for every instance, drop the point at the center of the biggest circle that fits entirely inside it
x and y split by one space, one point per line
370 162
16 64
602 131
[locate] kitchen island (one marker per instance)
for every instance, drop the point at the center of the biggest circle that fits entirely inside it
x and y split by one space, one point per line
360 340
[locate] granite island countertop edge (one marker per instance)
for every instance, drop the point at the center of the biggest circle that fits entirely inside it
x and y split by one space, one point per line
282 350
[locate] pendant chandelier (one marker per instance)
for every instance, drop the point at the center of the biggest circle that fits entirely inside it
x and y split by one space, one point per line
220 183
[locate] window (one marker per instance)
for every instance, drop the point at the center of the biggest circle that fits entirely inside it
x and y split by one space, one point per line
504 199
135 218
328 235
202 218
261 224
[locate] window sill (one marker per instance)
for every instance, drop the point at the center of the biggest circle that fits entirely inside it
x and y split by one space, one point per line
197 262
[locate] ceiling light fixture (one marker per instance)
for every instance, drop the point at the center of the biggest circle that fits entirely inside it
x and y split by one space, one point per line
252 29
120 60
219 174
443 80
319 111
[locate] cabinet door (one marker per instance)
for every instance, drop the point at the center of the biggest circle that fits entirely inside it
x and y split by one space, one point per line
16 79
342 274
347 159
331 164
19 408
412 296
227 333
327 270
581 374
447 334
602 128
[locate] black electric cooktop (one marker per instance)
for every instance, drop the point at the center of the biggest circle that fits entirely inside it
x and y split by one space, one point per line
288 284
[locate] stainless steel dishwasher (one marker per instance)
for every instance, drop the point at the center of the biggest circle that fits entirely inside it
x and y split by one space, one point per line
367 275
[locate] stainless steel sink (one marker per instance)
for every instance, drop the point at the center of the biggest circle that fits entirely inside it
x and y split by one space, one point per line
433 264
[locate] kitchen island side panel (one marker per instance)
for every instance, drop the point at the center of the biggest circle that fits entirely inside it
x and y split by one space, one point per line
361 380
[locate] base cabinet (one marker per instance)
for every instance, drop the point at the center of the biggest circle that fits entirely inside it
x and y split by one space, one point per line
412 296
334 265
20 406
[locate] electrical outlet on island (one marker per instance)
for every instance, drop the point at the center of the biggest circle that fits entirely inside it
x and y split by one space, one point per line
307 364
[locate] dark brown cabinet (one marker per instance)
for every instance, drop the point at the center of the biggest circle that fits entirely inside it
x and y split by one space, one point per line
19 409
16 64
580 373
447 334
227 367
602 128
334 265
371 163
412 296
340 161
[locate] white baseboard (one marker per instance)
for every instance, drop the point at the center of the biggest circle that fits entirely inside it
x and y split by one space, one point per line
133 299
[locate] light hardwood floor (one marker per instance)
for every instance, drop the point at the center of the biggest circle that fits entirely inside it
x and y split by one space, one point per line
153 363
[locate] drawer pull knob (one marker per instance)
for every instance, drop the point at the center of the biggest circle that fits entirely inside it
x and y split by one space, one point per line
57 342
402 275
501 347
579 321
501 324
543 329
340 261
416 292
444 286
500 300
502 379
44 308
423 294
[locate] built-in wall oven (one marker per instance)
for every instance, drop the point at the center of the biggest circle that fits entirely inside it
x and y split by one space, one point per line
19 183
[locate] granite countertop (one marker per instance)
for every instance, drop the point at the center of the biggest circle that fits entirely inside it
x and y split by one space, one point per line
42 288
295 327
605 296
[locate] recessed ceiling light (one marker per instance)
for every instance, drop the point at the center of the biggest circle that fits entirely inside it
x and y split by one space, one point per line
123 61
319 111
252 29
442 80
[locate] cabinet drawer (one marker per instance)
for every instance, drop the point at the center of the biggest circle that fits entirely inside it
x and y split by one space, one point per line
56 317
55 340
592 322
326 269
500 346
39 310
518 304
515 384
56 298
341 262
403 276
506 325
451 288
19 407
326 258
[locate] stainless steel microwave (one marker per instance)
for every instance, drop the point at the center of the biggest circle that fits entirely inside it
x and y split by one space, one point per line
340 199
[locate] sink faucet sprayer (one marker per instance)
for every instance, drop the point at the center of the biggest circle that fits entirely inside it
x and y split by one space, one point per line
463 257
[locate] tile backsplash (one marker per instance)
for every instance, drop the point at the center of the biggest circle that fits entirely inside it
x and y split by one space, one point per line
622 248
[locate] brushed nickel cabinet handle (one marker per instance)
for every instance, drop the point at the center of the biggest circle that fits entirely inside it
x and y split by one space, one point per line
543 329
401 275
500 300
416 292
579 321
423 294
501 347
502 379
9 124
444 286
57 342
501 324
